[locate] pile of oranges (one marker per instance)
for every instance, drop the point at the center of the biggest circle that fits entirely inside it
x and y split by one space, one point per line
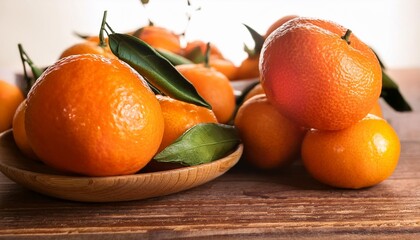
319 86
90 113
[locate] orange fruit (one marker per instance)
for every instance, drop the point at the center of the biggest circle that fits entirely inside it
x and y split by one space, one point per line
19 131
190 49
317 78
360 156
278 24
94 116
179 117
88 47
377 110
10 98
256 90
248 68
270 140
213 86
224 66
159 37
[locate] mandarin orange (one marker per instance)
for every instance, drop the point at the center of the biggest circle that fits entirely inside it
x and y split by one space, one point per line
213 86
159 37
10 98
278 23
319 74
179 117
270 140
360 156
87 47
19 131
94 116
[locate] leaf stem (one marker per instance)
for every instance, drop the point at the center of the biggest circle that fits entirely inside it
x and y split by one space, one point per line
207 55
26 59
102 42
346 36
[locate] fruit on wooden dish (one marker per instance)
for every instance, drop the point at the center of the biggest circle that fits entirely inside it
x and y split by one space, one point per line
10 98
87 115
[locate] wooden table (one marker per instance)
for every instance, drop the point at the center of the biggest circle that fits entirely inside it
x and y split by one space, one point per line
243 203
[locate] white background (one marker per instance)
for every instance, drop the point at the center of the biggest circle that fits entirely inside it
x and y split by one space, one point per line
46 27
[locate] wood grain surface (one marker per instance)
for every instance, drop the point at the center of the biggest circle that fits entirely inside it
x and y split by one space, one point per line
241 204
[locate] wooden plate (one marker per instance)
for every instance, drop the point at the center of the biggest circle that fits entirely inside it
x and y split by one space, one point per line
40 178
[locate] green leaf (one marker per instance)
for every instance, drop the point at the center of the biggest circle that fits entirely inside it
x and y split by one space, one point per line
392 95
36 71
156 69
200 144
258 41
173 58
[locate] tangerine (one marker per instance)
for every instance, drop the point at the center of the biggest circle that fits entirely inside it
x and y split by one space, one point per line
319 74
159 37
197 48
179 117
278 23
248 68
256 90
360 156
88 47
270 139
94 116
19 131
213 86
10 98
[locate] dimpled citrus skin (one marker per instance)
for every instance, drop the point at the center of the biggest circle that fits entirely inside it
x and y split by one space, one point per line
316 78
93 116
360 156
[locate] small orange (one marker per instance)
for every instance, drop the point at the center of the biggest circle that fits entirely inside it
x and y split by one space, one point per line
248 68
278 24
189 51
179 117
256 90
270 140
88 47
159 37
377 110
10 98
360 156
94 116
19 131
224 66
213 86
319 74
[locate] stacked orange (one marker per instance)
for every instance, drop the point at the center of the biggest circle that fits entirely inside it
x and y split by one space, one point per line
319 75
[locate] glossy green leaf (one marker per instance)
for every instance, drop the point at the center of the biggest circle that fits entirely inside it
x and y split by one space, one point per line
173 58
200 144
392 95
156 69
258 42
36 71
